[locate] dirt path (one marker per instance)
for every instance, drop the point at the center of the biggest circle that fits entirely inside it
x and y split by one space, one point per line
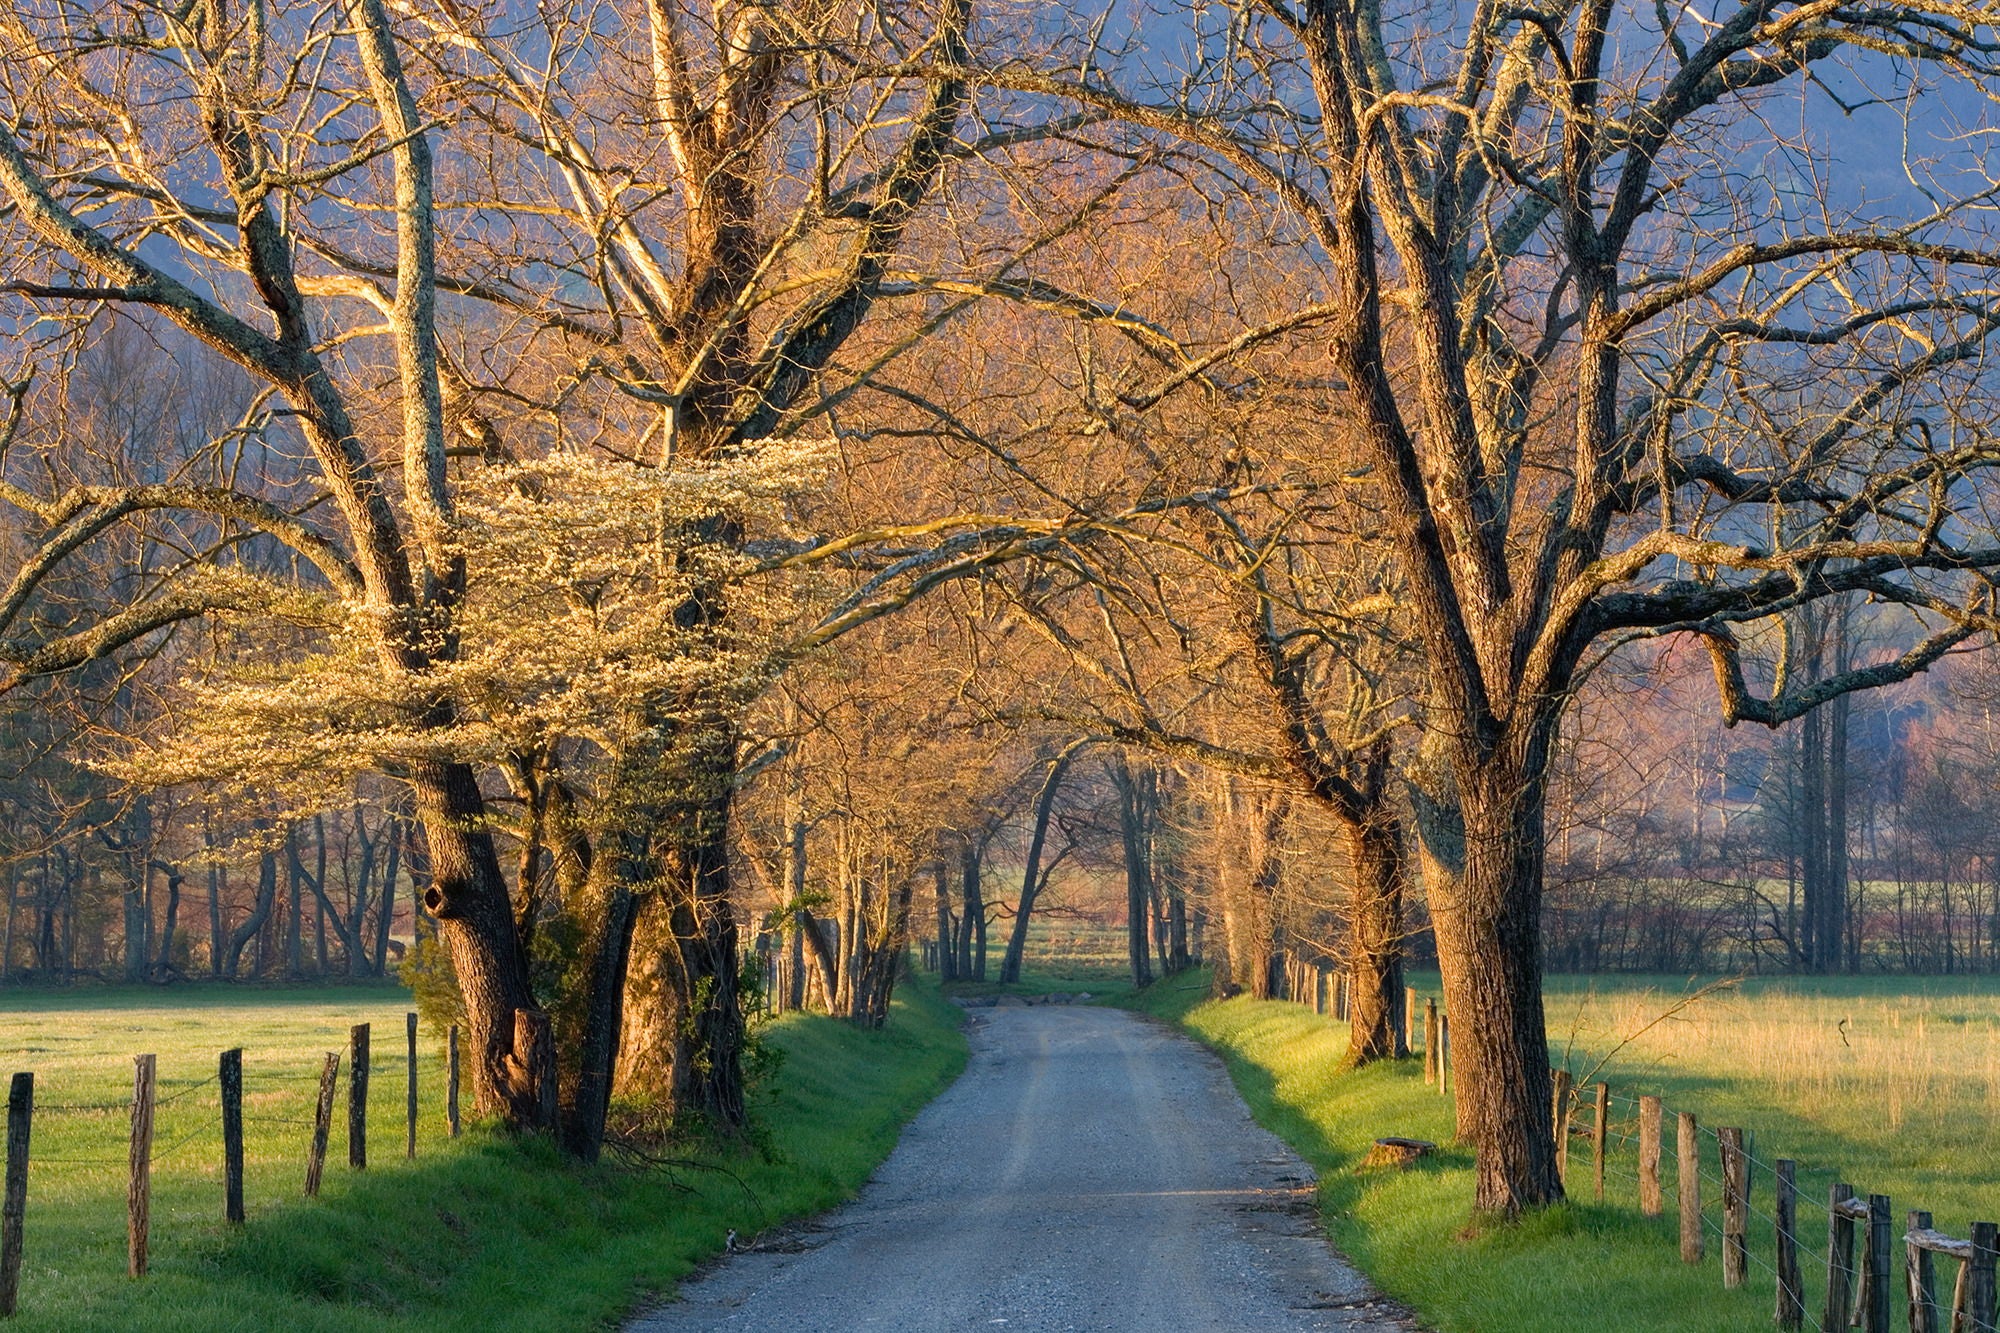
1089 1171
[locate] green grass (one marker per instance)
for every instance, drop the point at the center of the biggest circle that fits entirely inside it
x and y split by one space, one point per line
1062 955
1892 1084
482 1233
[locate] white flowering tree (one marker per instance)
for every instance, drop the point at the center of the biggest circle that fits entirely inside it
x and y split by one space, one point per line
536 295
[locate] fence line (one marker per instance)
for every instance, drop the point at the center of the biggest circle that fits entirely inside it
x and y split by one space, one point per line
144 1151
1859 1290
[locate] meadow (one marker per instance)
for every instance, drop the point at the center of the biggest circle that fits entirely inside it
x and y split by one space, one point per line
1064 953
483 1232
1890 1083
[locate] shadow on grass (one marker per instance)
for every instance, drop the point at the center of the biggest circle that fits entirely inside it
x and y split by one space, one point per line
1581 1264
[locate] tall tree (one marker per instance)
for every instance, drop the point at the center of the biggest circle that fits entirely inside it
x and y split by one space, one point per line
1569 351
619 298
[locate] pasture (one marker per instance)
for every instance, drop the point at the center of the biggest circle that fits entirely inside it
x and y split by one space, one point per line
1890 1083
481 1233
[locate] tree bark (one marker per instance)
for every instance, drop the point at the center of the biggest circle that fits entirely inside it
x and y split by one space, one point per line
708 1043
686 1018
1482 848
1261 959
387 919
1376 862
468 896
588 1102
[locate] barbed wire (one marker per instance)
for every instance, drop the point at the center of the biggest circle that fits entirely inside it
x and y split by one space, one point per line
1752 1256
1806 1200
159 1154
1818 1257
185 1091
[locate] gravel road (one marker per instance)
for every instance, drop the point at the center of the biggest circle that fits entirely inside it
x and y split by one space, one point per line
1089 1171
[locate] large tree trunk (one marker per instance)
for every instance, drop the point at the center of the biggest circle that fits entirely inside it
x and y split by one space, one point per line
823 954
1259 958
136 920
597 1045
1482 853
883 954
1376 863
468 896
687 1030
295 871
1248 870
708 1043
387 918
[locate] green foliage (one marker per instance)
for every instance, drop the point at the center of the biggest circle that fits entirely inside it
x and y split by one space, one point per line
487 1233
427 970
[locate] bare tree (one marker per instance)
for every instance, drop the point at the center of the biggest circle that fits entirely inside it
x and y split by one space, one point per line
1587 375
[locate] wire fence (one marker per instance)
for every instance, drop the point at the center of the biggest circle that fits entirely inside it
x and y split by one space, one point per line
194 1128
1860 1278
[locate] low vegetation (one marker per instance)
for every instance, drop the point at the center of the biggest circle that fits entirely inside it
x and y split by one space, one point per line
484 1233
1889 1083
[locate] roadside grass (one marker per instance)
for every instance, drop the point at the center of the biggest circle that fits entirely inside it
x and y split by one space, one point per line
483 1233
1890 1083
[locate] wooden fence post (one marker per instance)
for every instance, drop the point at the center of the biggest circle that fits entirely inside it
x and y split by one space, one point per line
230 1076
1410 1017
451 1083
1649 1155
1735 1207
1979 1287
322 1123
1791 1311
1597 1137
1839 1258
1430 1040
1920 1273
1881 1262
1559 1114
139 1195
410 1026
1688 1174
20 1116
357 1096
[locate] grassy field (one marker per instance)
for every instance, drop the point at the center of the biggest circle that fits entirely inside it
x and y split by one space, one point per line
1062 955
479 1233
1892 1084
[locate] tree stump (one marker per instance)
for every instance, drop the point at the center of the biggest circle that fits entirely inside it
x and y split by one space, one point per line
1393 1154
